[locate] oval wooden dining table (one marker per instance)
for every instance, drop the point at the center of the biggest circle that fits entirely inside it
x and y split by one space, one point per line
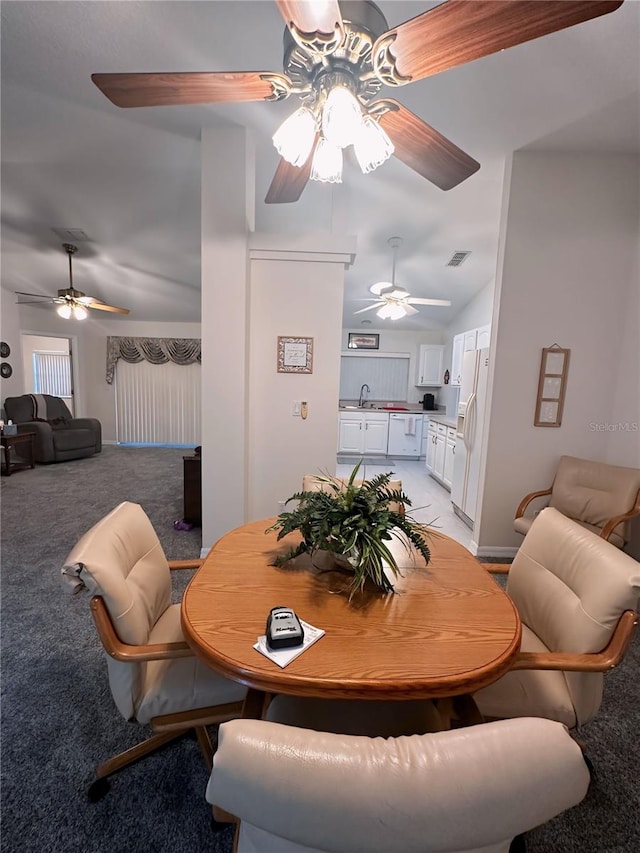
447 630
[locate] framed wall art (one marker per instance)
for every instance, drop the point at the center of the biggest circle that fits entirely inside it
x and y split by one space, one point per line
357 341
295 355
552 386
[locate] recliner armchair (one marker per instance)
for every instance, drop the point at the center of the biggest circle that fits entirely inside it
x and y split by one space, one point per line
58 435
598 496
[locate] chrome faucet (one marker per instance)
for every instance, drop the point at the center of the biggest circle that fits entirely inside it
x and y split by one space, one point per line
361 399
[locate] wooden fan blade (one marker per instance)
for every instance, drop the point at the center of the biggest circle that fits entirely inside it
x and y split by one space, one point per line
463 30
316 26
158 90
444 302
38 295
102 307
369 308
424 149
288 182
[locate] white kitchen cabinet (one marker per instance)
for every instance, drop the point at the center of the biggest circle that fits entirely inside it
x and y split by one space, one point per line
430 456
483 337
441 443
376 433
430 358
464 342
438 459
363 432
425 431
449 456
456 359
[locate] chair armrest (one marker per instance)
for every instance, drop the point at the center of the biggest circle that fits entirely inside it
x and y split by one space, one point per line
129 653
526 500
185 564
602 661
611 525
497 568
43 440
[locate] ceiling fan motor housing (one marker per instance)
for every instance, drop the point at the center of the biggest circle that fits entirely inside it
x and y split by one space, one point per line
308 70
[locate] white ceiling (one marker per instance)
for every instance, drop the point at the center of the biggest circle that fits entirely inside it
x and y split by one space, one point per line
131 179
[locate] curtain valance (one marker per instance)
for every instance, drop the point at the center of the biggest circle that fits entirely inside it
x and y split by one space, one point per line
155 350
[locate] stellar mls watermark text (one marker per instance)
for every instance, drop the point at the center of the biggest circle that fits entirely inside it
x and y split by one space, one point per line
619 426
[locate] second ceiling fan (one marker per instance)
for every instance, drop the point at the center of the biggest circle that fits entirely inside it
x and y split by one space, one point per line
392 302
337 57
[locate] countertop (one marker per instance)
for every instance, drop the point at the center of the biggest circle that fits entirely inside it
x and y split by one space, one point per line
412 408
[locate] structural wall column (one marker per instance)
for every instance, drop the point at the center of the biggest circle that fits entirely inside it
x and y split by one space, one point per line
227 217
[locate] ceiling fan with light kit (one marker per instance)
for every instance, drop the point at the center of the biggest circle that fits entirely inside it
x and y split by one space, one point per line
392 302
337 57
72 303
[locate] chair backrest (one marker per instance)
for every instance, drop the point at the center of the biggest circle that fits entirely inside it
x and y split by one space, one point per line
466 789
29 407
311 483
594 492
121 559
571 588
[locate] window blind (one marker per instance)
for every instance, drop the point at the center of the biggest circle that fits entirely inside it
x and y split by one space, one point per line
158 403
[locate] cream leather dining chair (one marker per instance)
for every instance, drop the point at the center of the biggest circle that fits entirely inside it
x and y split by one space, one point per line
577 596
602 498
154 676
472 789
312 483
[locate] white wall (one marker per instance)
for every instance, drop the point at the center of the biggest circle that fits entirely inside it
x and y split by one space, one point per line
569 276
291 298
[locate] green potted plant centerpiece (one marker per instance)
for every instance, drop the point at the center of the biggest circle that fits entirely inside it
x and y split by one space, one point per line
354 521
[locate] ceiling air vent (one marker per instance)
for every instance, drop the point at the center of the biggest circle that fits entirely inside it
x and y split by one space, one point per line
77 235
457 258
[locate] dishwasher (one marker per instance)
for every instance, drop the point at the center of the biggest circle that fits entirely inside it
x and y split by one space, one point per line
405 434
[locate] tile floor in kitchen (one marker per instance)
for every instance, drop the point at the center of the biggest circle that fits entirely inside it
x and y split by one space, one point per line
430 502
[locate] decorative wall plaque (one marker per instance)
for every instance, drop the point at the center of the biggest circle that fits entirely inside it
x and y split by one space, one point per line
295 355
552 386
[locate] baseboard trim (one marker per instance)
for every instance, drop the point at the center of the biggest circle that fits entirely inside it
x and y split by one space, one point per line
493 551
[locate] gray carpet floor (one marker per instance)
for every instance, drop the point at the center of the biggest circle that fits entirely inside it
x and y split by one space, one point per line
58 719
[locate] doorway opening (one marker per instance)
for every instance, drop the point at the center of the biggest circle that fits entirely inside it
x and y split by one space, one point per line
47 364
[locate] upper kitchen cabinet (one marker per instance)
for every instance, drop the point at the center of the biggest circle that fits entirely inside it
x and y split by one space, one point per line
430 359
464 342
456 359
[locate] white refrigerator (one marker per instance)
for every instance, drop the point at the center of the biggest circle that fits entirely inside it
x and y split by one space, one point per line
471 409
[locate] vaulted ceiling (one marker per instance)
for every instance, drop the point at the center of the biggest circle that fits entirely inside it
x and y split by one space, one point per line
130 179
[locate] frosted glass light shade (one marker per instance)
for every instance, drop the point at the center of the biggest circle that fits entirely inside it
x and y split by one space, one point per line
294 138
64 310
327 163
391 312
341 117
80 312
371 145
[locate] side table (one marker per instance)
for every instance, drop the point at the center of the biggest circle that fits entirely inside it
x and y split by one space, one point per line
192 473
22 444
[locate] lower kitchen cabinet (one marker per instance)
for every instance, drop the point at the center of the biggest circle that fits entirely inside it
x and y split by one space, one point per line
441 448
363 433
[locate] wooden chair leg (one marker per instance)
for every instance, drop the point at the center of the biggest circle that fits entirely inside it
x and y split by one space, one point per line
123 759
204 741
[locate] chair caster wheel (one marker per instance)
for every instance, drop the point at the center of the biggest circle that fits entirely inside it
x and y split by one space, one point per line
98 789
